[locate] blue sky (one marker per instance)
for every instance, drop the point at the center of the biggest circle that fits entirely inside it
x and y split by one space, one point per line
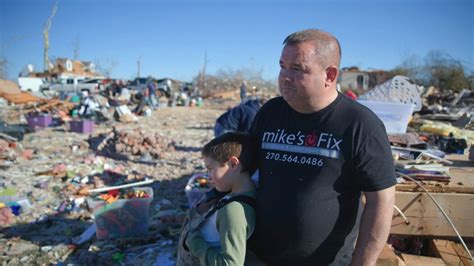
171 37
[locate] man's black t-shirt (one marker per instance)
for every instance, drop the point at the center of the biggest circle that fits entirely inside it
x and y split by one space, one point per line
313 168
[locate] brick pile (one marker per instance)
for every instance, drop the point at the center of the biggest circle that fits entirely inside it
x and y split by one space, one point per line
138 143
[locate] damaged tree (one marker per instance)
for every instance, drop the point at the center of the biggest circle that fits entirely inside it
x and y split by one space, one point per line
46 28
3 68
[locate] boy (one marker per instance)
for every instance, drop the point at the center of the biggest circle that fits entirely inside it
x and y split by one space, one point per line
221 238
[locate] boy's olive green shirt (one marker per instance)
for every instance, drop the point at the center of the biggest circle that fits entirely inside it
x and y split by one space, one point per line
235 223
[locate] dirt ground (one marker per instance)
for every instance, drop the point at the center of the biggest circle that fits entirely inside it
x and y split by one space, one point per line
47 231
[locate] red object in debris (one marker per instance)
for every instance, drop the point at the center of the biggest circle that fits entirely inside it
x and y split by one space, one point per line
12 144
58 168
6 216
351 95
27 154
113 193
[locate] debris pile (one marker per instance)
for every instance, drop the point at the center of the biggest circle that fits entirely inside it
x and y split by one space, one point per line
134 144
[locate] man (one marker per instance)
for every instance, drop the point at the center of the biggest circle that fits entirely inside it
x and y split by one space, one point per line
243 91
151 93
239 118
318 151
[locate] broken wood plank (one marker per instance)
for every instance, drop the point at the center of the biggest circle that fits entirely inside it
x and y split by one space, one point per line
20 98
444 250
463 255
436 187
451 252
414 260
388 258
426 219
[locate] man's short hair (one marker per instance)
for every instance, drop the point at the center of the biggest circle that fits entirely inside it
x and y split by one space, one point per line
231 144
328 48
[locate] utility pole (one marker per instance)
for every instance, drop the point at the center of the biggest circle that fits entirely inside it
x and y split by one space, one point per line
46 28
202 76
76 48
138 66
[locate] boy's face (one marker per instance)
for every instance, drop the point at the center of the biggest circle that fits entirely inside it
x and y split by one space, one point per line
219 174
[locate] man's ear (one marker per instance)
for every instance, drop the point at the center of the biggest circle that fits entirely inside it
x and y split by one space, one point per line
331 75
234 161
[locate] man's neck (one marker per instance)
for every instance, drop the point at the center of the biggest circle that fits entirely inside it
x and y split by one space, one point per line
316 104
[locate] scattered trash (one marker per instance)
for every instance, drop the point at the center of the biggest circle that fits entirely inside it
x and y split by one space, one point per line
49 178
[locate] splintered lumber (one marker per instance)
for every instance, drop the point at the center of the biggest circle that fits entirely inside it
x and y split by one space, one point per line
427 220
54 104
388 258
451 252
20 98
414 260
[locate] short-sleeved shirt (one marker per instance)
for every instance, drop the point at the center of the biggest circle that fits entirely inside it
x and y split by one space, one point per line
313 168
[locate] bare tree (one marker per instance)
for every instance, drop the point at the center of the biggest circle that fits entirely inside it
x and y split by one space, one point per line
202 74
106 67
46 28
77 47
445 72
230 79
3 68
437 68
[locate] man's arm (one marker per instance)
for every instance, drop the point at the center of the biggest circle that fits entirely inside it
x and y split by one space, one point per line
374 226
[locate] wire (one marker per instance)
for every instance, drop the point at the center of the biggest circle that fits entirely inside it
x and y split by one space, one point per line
402 214
442 211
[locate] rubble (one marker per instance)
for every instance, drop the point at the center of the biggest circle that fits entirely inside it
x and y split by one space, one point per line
51 175
55 170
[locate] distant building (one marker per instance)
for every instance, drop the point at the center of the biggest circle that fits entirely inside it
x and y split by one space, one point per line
354 79
64 68
358 80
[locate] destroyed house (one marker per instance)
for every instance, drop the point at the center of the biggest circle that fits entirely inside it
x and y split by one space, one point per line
353 79
64 68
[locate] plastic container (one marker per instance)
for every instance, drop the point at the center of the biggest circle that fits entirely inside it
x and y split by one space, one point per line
399 89
39 120
395 116
124 218
82 126
193 191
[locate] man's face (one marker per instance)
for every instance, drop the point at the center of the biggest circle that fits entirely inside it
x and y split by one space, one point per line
301 78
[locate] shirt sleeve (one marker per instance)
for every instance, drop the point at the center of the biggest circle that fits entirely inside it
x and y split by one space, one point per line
374 162
235 224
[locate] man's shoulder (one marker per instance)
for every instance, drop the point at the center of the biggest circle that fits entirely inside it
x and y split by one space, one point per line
273 103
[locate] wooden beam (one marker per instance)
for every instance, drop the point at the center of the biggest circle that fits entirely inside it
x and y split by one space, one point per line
388 258
451 252
437 188
412 260
463 255
426 219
